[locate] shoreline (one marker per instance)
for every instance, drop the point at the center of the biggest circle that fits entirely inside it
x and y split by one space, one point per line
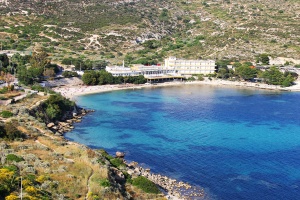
73 91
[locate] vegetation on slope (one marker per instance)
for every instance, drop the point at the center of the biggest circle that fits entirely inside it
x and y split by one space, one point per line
148 31
49 166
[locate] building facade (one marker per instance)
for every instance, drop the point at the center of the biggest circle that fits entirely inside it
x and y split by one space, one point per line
189 67
173 67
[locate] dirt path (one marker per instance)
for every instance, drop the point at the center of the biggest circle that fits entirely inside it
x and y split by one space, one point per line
88 184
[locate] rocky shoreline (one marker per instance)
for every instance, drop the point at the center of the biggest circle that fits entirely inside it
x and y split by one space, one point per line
172 188
61 127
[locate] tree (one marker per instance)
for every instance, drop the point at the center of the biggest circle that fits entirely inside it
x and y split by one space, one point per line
23 76
223 73
273 76
105 78
100 65
90 78
287 81
140 80
263 58
39 60
4 60
245 72
53 111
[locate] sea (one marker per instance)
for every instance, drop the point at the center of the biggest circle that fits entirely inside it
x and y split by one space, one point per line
235 143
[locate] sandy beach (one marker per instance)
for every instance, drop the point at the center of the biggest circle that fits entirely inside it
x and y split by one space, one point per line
71 91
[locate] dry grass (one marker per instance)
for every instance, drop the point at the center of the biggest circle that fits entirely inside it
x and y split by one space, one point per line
137 193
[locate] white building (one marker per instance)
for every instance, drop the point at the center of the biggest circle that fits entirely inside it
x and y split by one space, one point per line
189 67
173 68
154 70
122 71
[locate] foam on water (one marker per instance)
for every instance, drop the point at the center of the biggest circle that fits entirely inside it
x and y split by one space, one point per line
240 144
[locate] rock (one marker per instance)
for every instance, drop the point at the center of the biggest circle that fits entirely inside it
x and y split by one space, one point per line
132 165
30 157
41 164
120 154
3 145
130 172
50 125
29 169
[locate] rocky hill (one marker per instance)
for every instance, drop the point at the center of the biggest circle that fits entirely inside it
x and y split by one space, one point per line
146 31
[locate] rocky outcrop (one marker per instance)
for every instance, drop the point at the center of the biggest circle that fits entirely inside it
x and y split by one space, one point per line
171 187
61 127
117 181
66 122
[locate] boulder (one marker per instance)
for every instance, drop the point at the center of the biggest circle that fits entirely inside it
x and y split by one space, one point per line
120 154
50 125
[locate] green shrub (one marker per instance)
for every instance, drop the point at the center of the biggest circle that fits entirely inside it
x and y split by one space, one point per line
104 183
38 87
145 185
12 168
105 154
117 162
3 90
68 74
6 114
13 157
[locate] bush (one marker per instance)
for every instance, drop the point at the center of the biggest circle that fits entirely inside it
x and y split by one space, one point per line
13 157
3 90
6 114
117 162
11 131
68 74
55 107
104 183
145 185
38 87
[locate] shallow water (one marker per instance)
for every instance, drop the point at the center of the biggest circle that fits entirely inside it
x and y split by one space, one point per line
238 144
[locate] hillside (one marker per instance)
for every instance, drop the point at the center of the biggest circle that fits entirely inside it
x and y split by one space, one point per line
142 31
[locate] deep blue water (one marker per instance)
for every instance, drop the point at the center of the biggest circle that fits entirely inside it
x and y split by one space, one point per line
238 144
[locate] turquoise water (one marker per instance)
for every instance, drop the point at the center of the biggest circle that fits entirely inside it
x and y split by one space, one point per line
237 144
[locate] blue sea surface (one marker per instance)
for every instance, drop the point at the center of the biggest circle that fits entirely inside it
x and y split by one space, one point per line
236 143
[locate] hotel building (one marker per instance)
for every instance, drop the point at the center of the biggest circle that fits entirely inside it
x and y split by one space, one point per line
189 67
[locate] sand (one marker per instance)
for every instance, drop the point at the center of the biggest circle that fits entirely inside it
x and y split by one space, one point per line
71 91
